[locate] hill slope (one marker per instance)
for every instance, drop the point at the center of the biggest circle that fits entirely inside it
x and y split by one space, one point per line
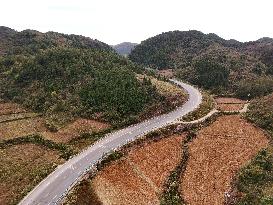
261 112
30 41
69 76
207 60
254 182
124 48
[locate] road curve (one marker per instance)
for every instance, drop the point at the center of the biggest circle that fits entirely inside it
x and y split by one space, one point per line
54 187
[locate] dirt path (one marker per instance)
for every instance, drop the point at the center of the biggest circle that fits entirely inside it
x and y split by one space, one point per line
216 155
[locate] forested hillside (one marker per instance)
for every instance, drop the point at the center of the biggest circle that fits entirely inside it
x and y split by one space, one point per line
68 76
223 66
261 112
31 41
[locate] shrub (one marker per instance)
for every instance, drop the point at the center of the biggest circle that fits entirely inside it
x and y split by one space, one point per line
248 89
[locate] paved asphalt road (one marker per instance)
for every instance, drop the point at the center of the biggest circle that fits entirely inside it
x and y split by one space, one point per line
53 188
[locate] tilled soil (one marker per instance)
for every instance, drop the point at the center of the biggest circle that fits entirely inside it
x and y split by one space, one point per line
216 155
120 184
139 178
230 107
157 159
229 104
230 100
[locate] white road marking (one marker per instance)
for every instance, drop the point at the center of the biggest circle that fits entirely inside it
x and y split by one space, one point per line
82 162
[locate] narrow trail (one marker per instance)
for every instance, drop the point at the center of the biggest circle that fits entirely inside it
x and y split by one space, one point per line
215 155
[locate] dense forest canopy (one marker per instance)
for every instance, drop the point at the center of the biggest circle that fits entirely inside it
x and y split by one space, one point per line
68 76
224 66
31 41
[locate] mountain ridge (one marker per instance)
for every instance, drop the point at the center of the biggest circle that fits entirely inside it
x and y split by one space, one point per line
209 61
31 41
124 48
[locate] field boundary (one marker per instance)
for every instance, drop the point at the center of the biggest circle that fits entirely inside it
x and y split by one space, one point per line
65 151
18 116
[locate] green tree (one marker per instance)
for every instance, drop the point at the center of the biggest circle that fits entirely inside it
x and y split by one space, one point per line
210 74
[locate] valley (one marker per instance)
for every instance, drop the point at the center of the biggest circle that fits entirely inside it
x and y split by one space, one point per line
183 117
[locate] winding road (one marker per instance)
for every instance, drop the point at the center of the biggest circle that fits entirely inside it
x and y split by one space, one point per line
54 187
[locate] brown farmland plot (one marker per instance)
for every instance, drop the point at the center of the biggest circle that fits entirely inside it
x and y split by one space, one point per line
217 153
139 177
22 167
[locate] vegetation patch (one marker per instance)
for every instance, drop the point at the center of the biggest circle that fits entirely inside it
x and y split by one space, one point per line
260 111
68 83
174 96
222 66
255 88
171 194
254 182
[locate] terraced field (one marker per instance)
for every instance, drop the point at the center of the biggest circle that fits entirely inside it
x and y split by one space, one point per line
217 153
10 108
137 177
22 167
141 175
229 104
23 129
74 130
25 161
17 122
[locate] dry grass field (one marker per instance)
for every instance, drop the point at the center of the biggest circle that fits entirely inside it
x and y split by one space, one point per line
10 108
216 155
74 129
22 127
22 167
